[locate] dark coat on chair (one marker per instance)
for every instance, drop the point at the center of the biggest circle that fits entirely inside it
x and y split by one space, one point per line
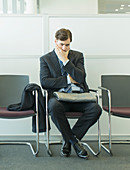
28 102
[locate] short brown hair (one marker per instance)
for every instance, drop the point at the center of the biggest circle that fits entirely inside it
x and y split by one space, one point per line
63 34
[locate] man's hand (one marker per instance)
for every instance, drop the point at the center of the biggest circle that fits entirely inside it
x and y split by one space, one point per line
62 55
72 80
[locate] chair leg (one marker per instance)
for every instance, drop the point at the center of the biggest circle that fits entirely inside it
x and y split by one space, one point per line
113 142
21 143
47 144
37 137
37 127
35 153
26 143
47 127
108 150
99 143
110 142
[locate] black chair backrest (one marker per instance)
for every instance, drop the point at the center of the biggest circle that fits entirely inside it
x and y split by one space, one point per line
11 88
119 85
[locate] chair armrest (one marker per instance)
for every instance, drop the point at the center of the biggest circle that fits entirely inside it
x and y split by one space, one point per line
46 97
109 97
95 91
35 92
103 88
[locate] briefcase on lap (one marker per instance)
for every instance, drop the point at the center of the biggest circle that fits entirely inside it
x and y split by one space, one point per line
75 97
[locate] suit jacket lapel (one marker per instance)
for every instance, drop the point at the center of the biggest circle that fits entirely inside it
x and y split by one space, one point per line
70 55
56 64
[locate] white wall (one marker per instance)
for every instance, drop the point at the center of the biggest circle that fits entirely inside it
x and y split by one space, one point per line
19 36
94 34
69 7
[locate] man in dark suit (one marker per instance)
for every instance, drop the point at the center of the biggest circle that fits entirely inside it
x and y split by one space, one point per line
63 70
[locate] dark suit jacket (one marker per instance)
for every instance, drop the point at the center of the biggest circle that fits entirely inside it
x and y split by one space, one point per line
50 72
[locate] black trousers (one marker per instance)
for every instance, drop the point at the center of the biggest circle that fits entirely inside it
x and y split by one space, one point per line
91 113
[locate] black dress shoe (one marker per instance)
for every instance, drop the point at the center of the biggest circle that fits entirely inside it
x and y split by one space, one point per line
80 150
66 149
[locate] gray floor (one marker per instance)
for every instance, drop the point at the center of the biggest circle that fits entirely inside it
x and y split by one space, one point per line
20 158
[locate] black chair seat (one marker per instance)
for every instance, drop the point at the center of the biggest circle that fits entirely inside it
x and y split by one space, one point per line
119 111
4 113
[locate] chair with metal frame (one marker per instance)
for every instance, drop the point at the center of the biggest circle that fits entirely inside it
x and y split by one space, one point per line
70 115
115 101
11 88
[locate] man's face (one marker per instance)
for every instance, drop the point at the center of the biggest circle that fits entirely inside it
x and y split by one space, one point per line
64 45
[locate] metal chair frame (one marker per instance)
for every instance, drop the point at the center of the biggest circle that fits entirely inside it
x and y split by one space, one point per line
48 143
35 153
110 142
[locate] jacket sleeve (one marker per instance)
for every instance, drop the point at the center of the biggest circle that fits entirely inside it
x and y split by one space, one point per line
47 80
76 70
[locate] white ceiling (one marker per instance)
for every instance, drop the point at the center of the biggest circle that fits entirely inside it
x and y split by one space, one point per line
109 6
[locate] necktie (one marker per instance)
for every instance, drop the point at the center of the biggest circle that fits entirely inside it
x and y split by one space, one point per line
63 72
68 89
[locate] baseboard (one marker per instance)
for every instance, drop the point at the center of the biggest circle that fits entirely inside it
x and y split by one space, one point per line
58 137
116 137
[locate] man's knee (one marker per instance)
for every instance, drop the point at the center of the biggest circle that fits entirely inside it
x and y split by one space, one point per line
55 106
95 109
